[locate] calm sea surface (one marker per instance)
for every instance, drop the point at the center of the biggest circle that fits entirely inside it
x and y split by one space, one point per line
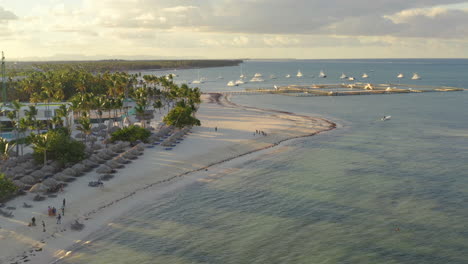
368 192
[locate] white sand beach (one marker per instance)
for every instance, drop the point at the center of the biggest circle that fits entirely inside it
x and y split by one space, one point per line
202 153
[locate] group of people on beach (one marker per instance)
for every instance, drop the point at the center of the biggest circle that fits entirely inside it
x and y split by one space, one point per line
260 132
52 211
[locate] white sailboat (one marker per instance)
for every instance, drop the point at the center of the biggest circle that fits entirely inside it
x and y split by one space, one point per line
242 76
365 76
198 80
231 83
258 75
351 79
400 76
343 76
416 77
299 74
288 76
322 74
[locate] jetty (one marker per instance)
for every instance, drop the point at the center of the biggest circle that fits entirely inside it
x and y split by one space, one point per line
343 89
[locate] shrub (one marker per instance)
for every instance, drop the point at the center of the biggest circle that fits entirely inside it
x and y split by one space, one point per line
181 116
7 188
57 145
131 134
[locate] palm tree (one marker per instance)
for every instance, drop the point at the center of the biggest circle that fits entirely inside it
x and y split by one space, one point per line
85 126
14 118
5 148
31 114
41 143
64 112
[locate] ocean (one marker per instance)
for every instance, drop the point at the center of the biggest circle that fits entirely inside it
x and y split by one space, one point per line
367 192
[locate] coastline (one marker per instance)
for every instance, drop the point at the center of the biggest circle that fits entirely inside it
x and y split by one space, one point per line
163 172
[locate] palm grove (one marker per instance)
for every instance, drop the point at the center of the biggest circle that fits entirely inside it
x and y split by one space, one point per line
104 95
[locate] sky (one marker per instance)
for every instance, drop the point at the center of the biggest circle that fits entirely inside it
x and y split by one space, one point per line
229 29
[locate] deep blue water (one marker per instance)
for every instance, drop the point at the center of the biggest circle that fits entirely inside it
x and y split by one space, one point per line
368 192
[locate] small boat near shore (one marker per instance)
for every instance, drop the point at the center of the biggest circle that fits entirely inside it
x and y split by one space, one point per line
400 76
231 84
365 76
385 118
343 76
299 74
288 76
322 74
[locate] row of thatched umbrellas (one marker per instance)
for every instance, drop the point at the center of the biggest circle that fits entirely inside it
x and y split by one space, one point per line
108 159
176 136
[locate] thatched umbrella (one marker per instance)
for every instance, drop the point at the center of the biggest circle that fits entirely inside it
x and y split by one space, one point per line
48 169
80 136
129 155
104 156
121 160
97 147
114 129
102 133
109 152
90 164
79 168
19 184
125 144
70 172
57 165
140 147
117 148
102 126
10 163
95 158
95 129
38 187
50 182
104 169
136 152
63 177
37 175
114 164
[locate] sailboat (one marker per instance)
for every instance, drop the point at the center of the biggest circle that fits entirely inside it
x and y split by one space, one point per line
288 76
351 79
416 77
400 76
231 83
299 74
198 80
343 76
258 75
242 76
322 75
364 76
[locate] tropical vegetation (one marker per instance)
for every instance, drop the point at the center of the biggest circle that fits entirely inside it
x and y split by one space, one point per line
131 134
7 188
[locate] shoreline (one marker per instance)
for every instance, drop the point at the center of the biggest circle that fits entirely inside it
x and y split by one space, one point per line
235 143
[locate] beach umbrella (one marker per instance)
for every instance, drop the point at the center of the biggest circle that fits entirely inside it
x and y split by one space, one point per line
140 147
104 169
96 159
80 168
121 160
70 172
50 182
90 164
57 165
95 129
102 127
11 162
19 184
38 187
37 175
102 133
129 155
104 156
63 177
97 147
80 135
114 129
48 169
109 152
28 180
114 164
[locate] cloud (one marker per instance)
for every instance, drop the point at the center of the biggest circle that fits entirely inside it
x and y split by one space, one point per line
6 15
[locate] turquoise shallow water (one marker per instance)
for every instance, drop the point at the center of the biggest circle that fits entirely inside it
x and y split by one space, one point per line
368 192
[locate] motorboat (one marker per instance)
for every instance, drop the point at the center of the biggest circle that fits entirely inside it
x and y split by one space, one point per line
288 76
299 74
322 74
239 82
365 76
231 83
400 76
258 75
256 79
351 79
385 118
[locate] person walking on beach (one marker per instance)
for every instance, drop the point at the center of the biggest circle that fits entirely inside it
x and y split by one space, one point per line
63 210
59 219
43 226
216 129
33 221
63 203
